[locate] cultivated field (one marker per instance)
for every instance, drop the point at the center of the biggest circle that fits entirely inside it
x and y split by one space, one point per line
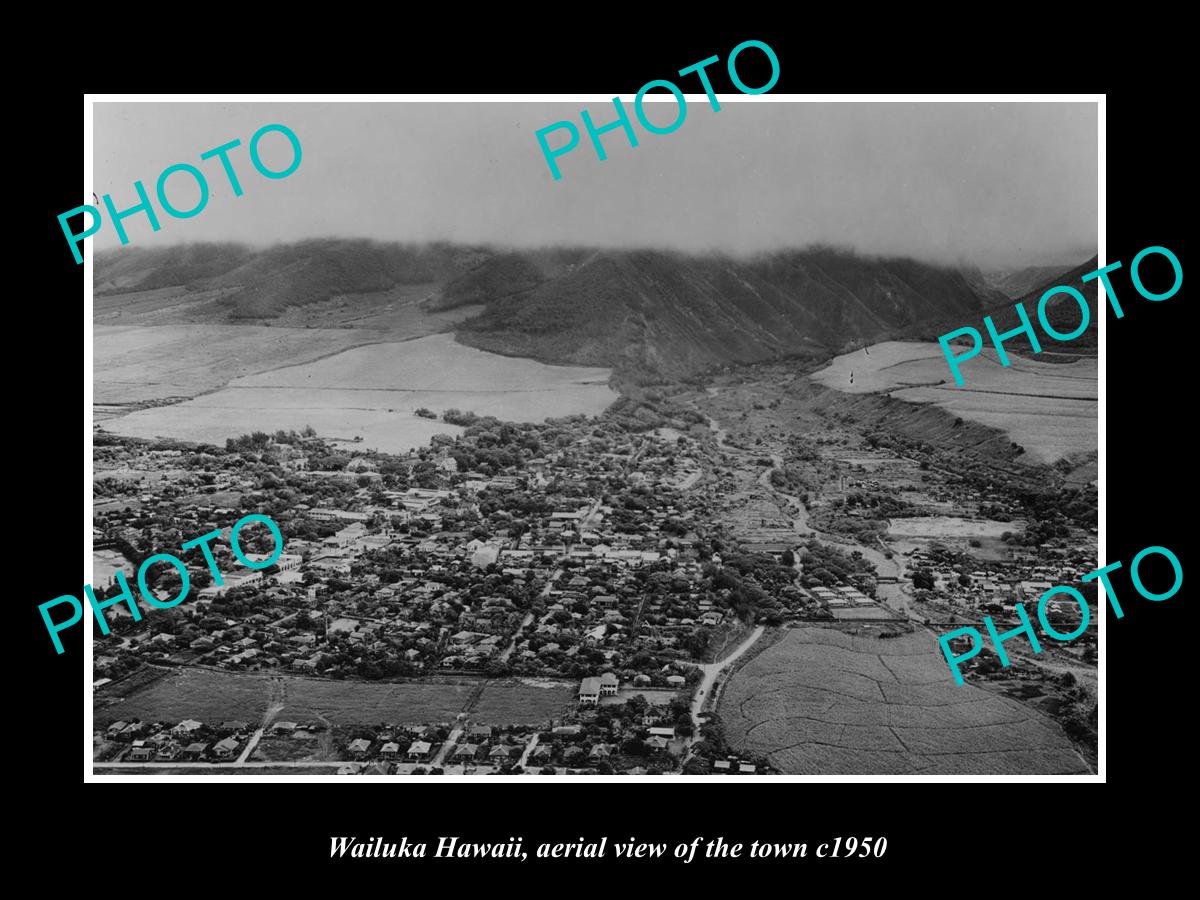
823 701
1049 409
373 391
137 363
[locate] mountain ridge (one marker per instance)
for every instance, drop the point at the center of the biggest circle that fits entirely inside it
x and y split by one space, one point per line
644 312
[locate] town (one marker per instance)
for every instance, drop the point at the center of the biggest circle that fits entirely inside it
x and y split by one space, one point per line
606 567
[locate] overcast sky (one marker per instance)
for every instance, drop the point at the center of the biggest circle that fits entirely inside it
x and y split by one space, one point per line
994 184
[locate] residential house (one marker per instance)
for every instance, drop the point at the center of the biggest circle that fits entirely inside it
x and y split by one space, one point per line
141 750
419 750
225 748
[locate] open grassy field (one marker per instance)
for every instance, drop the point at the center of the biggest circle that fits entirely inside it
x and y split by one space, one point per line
186 693
824 701
215 697
287 748
525 702
372 391
1048 409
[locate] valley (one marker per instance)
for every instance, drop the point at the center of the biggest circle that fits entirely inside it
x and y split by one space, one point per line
738 477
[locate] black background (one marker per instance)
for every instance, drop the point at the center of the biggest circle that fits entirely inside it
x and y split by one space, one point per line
938 831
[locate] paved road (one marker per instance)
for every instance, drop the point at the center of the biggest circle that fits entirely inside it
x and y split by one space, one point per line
711 671
529 748
450 742
249 748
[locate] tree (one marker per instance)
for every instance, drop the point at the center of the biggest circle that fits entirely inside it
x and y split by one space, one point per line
923 578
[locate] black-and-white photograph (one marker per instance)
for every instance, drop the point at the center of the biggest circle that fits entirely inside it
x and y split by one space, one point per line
429 439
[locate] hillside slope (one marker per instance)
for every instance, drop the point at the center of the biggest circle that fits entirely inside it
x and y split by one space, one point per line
658 312
263 284
646 312
1016 283
1062 312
